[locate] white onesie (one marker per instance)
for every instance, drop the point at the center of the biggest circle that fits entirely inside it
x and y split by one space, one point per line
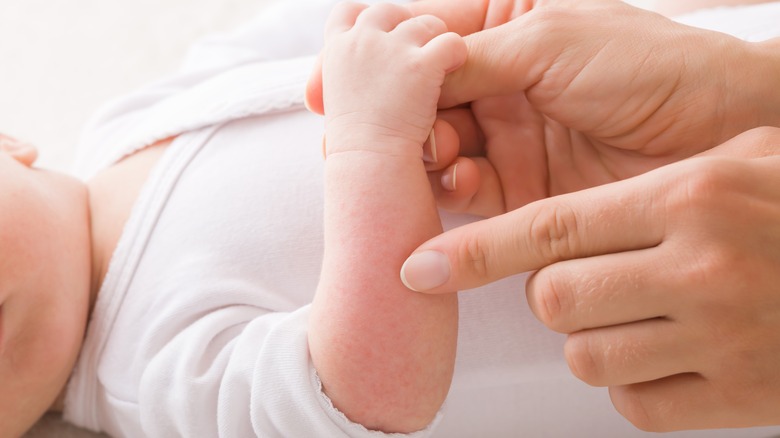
200 328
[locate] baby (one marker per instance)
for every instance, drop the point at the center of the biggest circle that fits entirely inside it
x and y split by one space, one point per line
190 334
222 301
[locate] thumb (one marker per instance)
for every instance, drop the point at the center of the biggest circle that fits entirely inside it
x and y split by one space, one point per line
612 218
501 60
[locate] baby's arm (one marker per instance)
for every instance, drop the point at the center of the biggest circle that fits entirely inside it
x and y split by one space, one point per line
385 355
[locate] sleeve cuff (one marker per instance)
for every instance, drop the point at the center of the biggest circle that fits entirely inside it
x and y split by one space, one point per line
355 430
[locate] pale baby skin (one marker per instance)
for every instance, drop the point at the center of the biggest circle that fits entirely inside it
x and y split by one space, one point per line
60 234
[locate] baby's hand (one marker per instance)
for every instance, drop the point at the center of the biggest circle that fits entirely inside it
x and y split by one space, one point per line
382 75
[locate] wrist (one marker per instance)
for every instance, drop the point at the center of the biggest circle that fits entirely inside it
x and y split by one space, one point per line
767 68
754 97
382 135
367 144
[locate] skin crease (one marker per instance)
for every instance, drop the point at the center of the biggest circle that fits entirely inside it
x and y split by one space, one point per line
49 281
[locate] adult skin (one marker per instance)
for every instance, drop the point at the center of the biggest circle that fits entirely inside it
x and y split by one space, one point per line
592 92
672 7
603 92
666 282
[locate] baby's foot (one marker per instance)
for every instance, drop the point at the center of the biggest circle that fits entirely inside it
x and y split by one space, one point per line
382 75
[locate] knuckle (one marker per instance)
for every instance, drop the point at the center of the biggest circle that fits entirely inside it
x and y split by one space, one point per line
473 255
633 408
696 267
555 232
699 189
707 179
551 302
710 266
703 183
581 359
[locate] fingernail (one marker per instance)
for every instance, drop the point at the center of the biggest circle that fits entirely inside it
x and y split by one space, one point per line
449 180
425 270
429 149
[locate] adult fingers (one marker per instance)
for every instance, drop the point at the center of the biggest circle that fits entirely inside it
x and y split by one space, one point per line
683 401
470 135
604 290
515 55
501 61
466 17
470 186
470 16
631 353
442 146
617 217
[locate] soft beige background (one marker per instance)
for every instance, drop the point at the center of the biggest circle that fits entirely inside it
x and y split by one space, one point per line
59 60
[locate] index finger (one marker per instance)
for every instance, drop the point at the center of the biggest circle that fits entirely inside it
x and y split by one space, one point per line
618 217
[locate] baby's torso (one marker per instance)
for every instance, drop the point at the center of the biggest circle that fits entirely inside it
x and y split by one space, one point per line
112 194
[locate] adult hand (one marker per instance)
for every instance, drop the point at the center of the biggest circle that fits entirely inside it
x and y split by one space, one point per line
668 283
590 92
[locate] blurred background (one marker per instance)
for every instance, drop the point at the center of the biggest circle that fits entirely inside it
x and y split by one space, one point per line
60 60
